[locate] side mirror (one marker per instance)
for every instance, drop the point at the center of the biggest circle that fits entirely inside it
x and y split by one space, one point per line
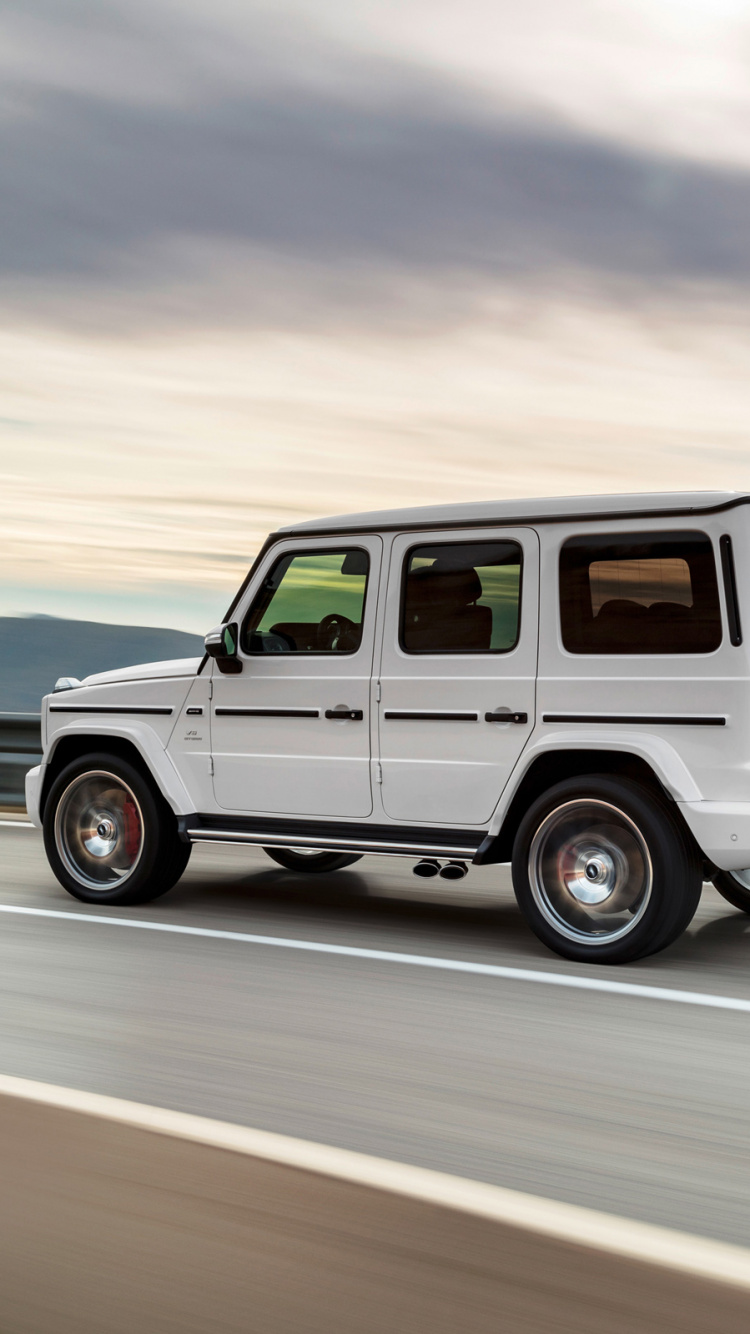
221 645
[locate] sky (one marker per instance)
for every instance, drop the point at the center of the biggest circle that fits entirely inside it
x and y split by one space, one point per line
265 261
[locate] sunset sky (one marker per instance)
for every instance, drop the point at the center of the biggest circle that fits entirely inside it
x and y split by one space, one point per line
262 261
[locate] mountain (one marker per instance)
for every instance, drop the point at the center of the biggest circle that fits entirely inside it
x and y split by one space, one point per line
35 650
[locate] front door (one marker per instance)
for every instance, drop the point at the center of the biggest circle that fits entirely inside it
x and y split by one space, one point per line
458 672
291 733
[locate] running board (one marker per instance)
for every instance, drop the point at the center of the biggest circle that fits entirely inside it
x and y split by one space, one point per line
379 842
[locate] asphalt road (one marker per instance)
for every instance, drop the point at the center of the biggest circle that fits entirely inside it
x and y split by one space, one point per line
636 1106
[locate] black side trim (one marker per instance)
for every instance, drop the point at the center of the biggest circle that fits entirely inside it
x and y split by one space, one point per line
164 710
484 853
438 717
647 718
730 589
267 713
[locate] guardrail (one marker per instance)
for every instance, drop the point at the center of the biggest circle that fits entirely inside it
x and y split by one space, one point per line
119 1217
20 748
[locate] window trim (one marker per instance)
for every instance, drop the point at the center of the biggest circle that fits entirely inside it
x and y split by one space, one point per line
452 652
311 653
634 538
730 590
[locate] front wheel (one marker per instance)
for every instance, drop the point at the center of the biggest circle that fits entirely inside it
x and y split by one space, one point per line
311 862
602 871
734 886
110 838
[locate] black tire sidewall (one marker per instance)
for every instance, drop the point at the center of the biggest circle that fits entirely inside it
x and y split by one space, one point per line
150 877
734 893
676 877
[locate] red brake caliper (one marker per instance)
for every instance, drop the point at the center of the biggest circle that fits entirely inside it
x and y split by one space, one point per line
132 830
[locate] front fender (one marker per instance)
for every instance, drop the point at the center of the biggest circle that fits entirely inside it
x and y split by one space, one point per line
149 745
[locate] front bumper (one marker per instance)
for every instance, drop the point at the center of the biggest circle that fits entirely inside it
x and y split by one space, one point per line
722 831
33 793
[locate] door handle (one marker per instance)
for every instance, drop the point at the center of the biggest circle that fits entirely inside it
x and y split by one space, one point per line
356 715
505 716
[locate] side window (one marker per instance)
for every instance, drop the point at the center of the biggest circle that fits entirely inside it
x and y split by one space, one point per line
639 593
461 597
310 602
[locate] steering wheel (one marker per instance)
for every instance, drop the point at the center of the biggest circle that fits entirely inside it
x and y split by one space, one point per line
336 632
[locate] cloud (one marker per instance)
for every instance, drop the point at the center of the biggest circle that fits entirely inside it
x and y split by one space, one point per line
98 192
159 166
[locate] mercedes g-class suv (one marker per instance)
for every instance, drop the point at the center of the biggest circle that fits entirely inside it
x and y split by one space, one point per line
558 683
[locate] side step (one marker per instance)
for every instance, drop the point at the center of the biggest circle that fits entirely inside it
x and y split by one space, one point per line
377 840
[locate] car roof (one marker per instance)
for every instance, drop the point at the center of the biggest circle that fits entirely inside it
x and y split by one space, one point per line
546 509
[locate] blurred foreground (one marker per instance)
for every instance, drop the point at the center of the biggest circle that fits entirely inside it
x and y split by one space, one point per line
230 1229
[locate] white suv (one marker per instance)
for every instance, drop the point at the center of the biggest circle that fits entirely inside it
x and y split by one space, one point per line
558 683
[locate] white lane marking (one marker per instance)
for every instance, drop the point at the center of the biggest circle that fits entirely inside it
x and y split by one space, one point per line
573 1224
18 824
415 960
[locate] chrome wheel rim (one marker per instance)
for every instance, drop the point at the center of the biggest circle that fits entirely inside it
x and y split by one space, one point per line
99 830
590 872
742 878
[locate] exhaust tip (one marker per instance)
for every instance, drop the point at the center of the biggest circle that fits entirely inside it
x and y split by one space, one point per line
426 868
454 871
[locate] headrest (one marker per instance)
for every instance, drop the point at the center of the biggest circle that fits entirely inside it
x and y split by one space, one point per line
621 609
444 584
670 611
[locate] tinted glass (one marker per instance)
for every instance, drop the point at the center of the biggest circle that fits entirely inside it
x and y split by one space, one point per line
311 602
461 597
643 593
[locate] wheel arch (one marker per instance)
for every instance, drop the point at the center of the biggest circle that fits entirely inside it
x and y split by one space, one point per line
551 766
151 760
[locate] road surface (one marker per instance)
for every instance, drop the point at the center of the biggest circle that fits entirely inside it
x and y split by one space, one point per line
635 1105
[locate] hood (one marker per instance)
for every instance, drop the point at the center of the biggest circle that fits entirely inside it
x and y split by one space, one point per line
145 671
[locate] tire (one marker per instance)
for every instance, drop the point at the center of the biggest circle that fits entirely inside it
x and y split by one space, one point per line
311 863
109 836
735 890
603 872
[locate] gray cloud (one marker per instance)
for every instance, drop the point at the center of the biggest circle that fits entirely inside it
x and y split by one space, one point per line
101 189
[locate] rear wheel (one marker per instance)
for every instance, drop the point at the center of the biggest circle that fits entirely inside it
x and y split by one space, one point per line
311 862
734 886
603 873
109 836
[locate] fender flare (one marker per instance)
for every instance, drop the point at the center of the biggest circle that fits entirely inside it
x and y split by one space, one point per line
151 749
656 752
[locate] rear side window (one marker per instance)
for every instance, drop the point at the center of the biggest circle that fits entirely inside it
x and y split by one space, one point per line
640 593
461 597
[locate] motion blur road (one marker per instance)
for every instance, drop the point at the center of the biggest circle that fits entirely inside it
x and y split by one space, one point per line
636 1106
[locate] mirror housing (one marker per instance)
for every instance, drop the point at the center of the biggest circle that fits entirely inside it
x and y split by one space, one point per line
221 645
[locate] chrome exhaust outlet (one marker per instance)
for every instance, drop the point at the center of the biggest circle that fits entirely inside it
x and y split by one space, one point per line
427 868
454 871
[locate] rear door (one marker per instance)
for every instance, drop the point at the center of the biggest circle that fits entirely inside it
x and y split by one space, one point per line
457 672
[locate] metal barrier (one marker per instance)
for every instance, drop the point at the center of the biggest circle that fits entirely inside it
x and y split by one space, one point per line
20 748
